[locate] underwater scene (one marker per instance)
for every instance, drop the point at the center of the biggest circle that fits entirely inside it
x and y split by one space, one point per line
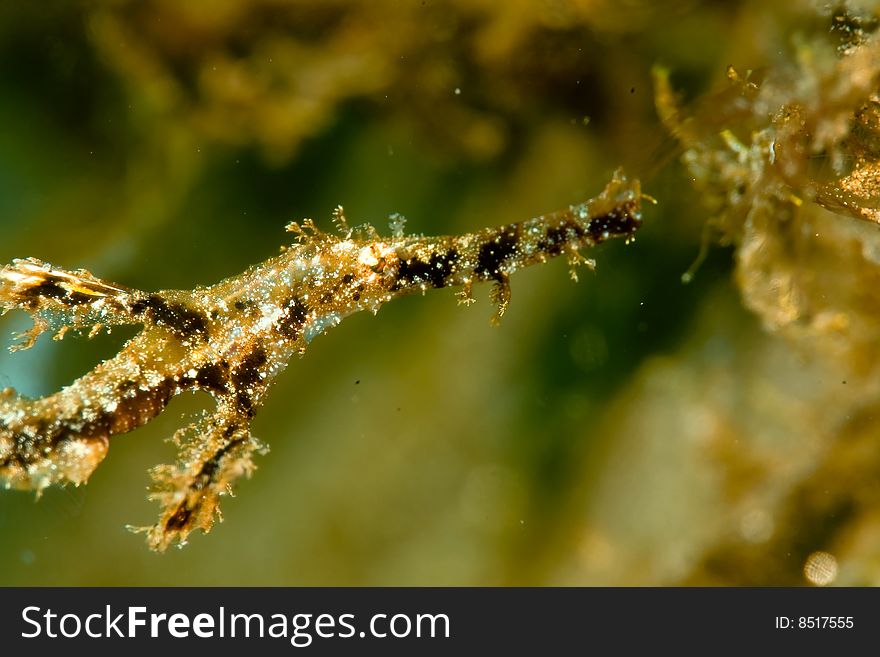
619 262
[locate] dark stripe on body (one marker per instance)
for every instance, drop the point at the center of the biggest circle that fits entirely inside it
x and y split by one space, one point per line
179 318
51 289
244 377
619 221
209 469
213 377
436 271
130 413
295 314
557 238
180 518
248 371
493 253
202 480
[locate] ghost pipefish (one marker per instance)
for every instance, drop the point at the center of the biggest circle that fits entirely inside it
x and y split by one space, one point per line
234 338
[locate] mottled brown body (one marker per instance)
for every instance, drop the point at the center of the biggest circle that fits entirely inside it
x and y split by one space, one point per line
233 338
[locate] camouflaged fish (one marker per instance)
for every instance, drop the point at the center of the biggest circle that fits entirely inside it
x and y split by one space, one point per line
234 338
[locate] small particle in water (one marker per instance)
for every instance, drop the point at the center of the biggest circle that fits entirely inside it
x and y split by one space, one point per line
458 91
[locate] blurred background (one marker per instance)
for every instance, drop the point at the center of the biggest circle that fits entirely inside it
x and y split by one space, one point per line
625 430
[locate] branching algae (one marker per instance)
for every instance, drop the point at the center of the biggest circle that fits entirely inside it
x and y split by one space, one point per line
233 338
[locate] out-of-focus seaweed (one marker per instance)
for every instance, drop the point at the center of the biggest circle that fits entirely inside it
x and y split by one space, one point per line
785 160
